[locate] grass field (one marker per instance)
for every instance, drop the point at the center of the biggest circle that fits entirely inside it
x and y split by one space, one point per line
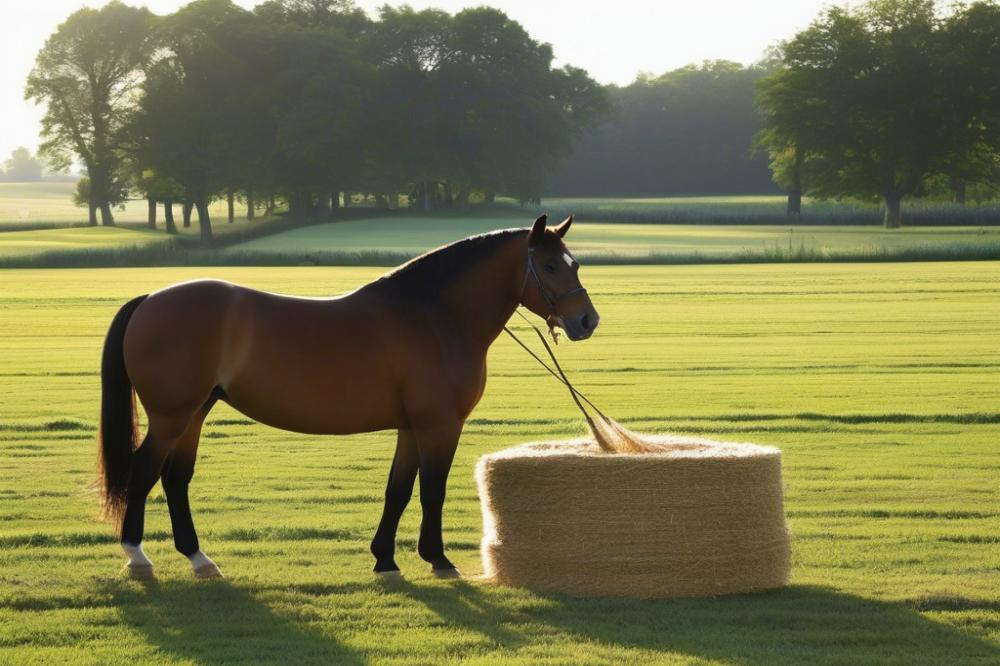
412 235
880 383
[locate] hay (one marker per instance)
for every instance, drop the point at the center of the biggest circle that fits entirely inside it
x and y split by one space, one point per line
687 517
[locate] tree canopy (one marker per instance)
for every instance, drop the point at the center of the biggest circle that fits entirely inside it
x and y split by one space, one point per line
308 101
874 101
86 76
688 131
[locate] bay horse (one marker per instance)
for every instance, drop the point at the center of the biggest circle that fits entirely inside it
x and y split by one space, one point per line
405 352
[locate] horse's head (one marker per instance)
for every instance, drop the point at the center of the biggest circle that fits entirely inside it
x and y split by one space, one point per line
552 288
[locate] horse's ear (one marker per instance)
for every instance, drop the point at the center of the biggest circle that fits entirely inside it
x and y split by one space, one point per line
537 232
564 226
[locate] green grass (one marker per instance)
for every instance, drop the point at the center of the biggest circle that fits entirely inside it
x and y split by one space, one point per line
407 236
879 382
761 210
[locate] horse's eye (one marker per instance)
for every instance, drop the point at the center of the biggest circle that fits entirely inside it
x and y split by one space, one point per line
550 268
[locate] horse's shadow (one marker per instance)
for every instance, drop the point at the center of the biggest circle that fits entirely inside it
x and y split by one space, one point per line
798 625
222 623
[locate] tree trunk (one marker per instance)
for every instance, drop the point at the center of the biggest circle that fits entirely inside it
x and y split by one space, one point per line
151 212
462 199
448 198
269 209
347 199
795 190
168 216
204 221
250 205
490 196
186 211
92 213
107 219
231 205
794 202
958 189
381 201
334 202
893 215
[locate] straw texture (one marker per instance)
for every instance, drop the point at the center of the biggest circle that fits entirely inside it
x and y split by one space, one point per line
694 518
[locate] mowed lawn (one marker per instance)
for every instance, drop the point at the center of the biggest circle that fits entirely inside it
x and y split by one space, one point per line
412 235
880 382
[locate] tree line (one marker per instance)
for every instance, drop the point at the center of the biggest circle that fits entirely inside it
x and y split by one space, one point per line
306 102
688 131
888 100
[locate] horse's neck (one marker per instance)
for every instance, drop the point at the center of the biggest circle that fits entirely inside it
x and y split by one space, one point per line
487 295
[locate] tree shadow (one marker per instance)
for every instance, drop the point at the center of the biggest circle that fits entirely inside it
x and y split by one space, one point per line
216 622
797 625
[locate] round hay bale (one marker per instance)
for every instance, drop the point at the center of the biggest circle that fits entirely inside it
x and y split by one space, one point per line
699 518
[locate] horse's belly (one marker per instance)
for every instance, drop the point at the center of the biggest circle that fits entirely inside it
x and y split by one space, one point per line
327 408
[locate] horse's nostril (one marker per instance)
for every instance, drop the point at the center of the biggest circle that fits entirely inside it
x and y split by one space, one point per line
585 322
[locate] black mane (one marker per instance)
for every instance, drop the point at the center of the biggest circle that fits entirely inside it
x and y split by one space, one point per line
428 276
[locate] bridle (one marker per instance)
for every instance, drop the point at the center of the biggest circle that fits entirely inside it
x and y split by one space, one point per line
547 296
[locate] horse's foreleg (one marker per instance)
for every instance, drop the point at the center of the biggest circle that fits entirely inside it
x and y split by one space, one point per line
398 491
437 450
177 474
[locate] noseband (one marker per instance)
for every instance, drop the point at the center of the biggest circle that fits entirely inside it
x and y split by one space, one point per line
547 296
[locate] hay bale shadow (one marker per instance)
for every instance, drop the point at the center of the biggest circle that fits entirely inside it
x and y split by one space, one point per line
217 622
798 625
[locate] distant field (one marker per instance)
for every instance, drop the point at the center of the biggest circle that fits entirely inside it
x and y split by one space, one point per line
45 202
880 382
74 239
413 235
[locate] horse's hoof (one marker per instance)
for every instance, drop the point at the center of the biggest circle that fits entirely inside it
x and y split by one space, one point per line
208 570
140 571
446 574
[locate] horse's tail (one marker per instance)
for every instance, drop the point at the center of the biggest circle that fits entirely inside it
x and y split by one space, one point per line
118 436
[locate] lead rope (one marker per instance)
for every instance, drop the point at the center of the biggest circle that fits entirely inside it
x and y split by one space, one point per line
560 375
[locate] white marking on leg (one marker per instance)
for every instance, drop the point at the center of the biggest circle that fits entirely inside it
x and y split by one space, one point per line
136 557
203 566
199 559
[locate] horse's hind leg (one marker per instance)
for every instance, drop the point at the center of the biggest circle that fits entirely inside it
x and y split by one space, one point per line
147 463
177 473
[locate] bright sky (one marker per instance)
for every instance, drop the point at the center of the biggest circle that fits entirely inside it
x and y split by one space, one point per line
613 41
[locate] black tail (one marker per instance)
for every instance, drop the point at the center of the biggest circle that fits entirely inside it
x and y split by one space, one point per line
119 428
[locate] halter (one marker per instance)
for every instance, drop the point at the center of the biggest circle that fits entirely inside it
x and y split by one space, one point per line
549 299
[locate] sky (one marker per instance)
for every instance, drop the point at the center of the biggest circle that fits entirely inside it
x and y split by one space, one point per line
614 41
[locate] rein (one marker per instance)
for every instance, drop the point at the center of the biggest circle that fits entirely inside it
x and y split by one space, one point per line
560 375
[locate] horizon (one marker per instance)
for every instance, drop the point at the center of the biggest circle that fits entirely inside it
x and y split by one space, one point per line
609 42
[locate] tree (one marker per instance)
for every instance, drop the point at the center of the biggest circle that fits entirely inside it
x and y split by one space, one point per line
193 125
22 167
86 76
686 131
861 94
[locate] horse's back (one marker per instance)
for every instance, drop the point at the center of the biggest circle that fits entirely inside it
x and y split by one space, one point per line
311 365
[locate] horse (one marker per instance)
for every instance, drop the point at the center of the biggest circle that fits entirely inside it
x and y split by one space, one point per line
405 352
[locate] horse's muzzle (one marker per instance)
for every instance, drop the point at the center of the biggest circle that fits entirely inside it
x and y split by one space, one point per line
581 326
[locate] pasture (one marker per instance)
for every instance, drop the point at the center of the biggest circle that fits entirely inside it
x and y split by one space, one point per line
880 383
625 242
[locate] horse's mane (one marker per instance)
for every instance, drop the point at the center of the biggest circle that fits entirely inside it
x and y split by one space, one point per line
428 276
